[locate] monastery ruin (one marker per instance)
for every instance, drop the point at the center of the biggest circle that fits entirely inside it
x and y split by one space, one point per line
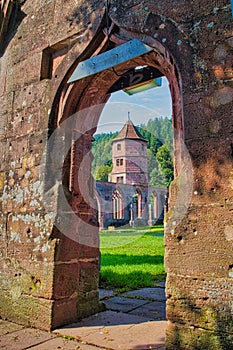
49 240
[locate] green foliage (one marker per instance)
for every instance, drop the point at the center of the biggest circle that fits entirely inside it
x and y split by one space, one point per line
157 178
165 164
152 161
132 258
158 133
102 150
102 172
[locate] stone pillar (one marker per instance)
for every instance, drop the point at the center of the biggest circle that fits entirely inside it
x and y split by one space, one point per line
150 209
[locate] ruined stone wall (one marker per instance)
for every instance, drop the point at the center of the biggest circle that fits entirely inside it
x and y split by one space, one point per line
199 222
47 38
33 254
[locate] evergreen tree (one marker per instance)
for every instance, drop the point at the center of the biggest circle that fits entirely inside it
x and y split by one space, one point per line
157 178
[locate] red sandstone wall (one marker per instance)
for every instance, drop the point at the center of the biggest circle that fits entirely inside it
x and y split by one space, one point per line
198 37
34 290
199 228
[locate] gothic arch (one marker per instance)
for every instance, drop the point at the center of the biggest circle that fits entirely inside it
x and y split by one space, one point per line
77 97
154 203
192 47
78 106
117 205
139 208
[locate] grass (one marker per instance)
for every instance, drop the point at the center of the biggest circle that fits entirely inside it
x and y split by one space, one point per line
132 258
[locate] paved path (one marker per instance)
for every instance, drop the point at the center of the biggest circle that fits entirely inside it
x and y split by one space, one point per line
133 321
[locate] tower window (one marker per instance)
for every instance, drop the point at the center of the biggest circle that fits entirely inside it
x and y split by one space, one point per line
119 162
118 146
120 179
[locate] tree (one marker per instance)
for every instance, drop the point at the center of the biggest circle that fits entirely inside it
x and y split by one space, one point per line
165 161
102 150
102 172
157 178
152 161
155 144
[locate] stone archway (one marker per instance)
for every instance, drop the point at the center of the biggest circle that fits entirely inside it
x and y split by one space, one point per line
78 108
47 278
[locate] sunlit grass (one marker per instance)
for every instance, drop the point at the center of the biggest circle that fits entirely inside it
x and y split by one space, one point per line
132 258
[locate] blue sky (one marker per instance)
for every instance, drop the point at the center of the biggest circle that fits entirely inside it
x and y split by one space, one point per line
142 106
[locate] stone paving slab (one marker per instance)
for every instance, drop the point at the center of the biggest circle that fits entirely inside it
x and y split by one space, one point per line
102 319
105 293
161 284
108 330
155 310
64 344
123 304
130 336
24 339
8 327
147 293
127 337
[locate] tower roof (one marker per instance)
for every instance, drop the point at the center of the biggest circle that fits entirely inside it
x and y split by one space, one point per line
129 131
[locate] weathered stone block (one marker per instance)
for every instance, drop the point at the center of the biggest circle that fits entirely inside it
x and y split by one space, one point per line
3 154
31 72
89 276
6 103
36 146
212 170
26 42
208 113
64 312
26 310
68 249
200 316
4 126
181 337
79 17
25 97
186 234
20 193
88 304
167 32
182 11
24 277
28 118
15 150
66 278
3 237
29 235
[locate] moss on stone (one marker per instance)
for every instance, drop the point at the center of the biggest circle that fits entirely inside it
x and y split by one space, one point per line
26 310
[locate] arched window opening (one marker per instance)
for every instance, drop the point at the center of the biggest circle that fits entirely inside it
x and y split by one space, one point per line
154 203
117 205
139 203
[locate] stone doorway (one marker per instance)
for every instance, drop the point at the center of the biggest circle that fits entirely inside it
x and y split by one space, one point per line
75 114
49 247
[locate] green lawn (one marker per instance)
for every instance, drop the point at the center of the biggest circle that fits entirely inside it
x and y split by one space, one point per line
132 258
